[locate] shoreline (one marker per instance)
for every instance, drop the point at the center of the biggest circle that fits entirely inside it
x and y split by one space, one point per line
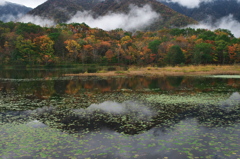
169 71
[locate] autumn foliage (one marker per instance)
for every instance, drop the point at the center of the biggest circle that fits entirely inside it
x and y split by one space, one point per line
29 44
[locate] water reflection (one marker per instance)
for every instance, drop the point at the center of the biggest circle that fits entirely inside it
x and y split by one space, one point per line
107 117
129 117
47 88
129 130
183 140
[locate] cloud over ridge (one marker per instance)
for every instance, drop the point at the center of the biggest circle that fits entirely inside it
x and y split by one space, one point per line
227 22
189 3
137 18
37 20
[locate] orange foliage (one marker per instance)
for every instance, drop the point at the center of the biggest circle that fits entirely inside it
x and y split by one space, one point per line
109 54
87 47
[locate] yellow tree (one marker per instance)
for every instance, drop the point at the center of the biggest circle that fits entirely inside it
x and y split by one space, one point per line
126 41
73 48
25 50
45 48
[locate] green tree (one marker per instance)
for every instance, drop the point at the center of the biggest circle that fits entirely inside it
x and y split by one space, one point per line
153 45
175 56
207 35
26 50
202 53
222 51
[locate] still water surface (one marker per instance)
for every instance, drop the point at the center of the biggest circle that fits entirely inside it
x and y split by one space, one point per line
46 115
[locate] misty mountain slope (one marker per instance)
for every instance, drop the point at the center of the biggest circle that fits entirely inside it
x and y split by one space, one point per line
11 11
65 10
168 17
62 10
206 11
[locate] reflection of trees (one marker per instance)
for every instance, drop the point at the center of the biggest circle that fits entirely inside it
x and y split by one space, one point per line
36 89
27 74
73 87
28 88
175 81
48 87
85 90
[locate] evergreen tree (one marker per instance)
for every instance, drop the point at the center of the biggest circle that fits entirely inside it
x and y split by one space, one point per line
175 56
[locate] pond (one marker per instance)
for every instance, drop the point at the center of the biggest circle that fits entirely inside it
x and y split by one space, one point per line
46 115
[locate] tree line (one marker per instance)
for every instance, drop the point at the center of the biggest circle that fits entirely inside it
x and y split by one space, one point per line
30 44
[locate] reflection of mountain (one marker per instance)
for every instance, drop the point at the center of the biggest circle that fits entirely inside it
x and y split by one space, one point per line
127 117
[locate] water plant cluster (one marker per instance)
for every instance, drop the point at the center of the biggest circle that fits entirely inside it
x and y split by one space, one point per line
121 123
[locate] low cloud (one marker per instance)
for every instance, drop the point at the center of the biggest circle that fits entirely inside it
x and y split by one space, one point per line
37 20
188 3
227 22
9 17
136 19
2 2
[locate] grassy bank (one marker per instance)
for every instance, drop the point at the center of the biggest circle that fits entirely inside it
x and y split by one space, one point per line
171 71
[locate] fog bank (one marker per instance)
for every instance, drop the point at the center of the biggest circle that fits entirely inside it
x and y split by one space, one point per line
190 3
136 19
44 22
227 22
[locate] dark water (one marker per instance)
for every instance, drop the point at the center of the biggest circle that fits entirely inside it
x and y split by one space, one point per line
46 115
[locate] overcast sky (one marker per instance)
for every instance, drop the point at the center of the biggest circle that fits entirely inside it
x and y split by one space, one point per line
28 3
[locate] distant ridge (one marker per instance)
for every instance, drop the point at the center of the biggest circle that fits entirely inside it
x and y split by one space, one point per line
62 11
11 11
208 10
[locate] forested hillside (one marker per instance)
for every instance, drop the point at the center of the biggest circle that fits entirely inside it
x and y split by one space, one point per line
29 44
64 10
61 11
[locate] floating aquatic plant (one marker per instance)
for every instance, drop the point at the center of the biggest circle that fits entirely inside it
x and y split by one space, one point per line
135 123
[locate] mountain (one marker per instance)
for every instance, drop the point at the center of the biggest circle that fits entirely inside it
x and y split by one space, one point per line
62 11
11 11
169 18
214 10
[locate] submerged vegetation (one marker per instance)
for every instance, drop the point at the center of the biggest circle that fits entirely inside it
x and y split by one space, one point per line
119 117
29 45
125 130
